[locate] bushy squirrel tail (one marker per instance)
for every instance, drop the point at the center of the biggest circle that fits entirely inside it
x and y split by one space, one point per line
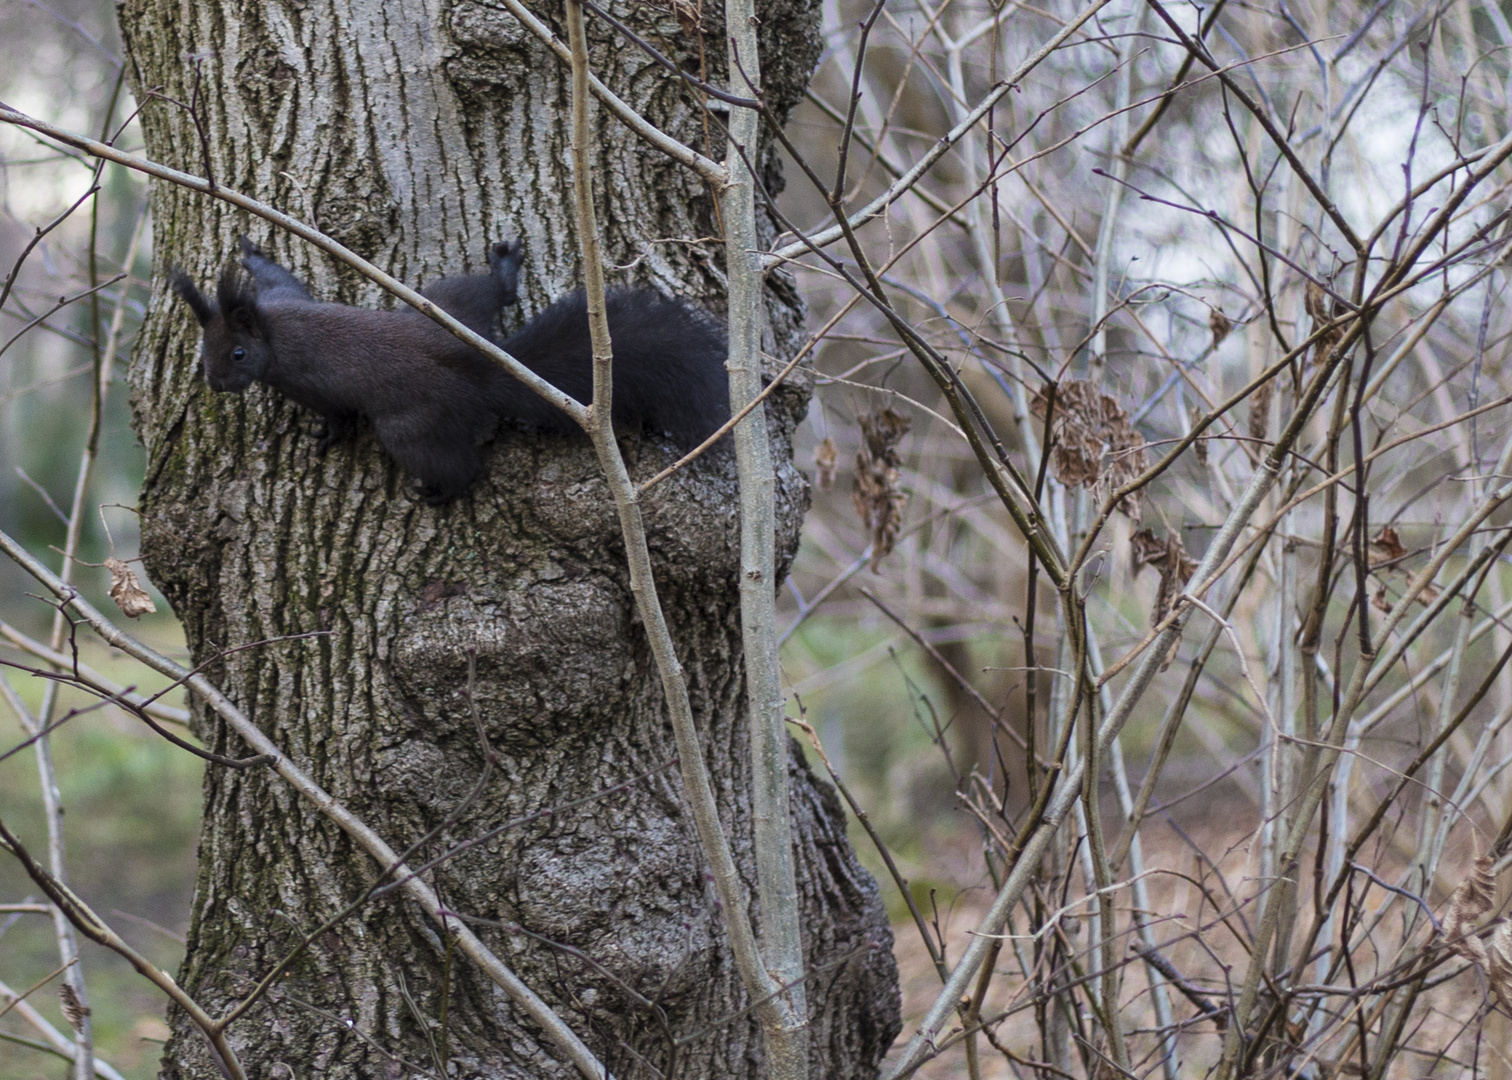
668 360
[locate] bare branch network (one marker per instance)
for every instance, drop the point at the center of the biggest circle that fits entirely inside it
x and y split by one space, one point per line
1164 633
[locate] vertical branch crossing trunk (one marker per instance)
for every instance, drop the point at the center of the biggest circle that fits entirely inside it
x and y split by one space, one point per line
415 134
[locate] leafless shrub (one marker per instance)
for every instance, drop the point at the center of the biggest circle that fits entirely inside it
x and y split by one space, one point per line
1244 269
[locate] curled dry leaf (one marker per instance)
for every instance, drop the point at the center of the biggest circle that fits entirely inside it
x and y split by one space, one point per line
1323 311
1499 964
1200 447
875 492
1221 326
824 464
1145 549
1259 410
1087 424
1471 900
74 1010
127 591
1388 548
1170 558
1387 551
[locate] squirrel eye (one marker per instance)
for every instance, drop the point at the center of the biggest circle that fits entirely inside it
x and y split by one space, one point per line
238 354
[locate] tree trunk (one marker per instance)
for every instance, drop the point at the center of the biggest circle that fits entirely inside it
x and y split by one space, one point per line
415 134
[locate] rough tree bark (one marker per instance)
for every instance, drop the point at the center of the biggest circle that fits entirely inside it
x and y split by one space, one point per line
415 133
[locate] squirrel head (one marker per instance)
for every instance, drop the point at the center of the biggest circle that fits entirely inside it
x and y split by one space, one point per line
235 351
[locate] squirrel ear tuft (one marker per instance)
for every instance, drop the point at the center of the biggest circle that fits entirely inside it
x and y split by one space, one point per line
244 320
182 284
237 294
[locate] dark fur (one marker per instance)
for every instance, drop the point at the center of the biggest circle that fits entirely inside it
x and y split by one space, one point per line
431 398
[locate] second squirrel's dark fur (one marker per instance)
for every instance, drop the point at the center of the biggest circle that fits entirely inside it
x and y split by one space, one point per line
430 397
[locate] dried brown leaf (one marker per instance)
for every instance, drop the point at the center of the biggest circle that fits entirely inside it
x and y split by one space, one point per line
1170 558
874 492
825 458
1471 900
1499 964
1145 549
1200 447
1174 575
1086 425
1387 547
127 591
1220 324
74 1010
1322 311
1387 552
1077 409
1316 302
1379 601
1259 412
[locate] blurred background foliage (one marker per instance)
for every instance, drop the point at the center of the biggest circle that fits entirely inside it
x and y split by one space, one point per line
132 801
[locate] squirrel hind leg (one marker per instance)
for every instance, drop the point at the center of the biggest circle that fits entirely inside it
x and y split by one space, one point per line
441 454
445 470
445 474
434 496
335 429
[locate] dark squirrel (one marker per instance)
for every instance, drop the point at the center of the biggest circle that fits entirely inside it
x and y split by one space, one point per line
430 397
